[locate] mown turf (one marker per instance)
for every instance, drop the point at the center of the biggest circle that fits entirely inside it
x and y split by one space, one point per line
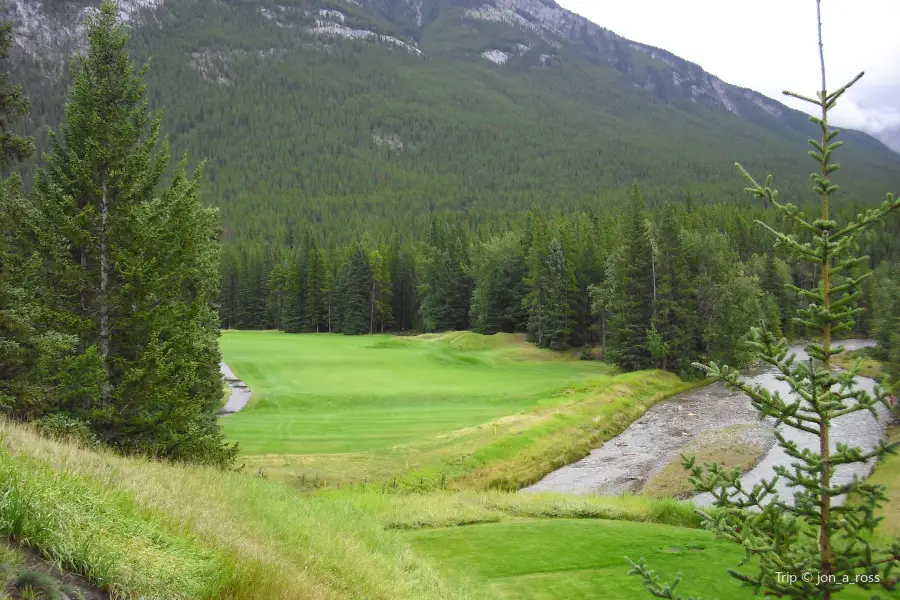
322 394
584 560
455 410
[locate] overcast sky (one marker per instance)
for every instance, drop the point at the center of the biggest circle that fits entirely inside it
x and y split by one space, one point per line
770 45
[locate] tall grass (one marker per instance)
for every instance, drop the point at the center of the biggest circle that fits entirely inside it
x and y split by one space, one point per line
564 434
451 509
154 530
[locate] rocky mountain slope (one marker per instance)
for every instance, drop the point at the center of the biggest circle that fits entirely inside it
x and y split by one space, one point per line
497 103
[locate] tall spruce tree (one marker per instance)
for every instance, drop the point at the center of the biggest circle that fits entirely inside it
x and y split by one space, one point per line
277 294
380 299
630 303
316 308
499 268
446 285
535 302
356 292
133 276
675 308
811 547
560 293
404 292
886 317
14 148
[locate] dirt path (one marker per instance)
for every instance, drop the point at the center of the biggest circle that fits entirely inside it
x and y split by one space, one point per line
240 393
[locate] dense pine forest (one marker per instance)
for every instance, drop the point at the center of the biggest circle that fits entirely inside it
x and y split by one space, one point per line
654 285
575 193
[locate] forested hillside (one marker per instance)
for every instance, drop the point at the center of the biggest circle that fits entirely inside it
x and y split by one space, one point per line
399 158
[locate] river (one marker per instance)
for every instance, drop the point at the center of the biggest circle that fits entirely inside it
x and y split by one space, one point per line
624 463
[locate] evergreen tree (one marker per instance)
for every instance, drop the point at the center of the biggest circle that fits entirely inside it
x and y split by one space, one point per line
535 303
590 270
675 307
404 289
886 317
14 148
132 276
380 297
445 285
808 548
774 285
356 293
560 291
316 286
727 297
631 297
277 295
295 319
499 268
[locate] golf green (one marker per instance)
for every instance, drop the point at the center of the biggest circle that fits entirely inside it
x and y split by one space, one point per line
331 394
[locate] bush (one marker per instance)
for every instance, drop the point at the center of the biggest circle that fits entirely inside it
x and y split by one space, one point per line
64 428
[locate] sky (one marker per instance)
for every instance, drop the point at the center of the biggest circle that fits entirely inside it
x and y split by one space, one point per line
771 45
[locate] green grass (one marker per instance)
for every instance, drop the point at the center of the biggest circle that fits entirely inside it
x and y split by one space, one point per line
156 530
887 473
494 412
319 394
160 531
584 559
577 559
734 446
868 366
460 410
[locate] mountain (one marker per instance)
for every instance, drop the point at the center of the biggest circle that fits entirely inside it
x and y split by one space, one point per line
369 114
891 138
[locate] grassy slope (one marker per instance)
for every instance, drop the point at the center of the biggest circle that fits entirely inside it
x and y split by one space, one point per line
461 410
162 531
156 530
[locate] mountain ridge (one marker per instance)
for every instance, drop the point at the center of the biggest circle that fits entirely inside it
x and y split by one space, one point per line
424 105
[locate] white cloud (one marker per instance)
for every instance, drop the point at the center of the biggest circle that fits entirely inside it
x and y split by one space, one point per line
770 45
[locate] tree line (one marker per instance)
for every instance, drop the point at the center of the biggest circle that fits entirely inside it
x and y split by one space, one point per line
659 286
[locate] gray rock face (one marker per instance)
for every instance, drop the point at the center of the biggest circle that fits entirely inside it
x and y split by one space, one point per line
53 31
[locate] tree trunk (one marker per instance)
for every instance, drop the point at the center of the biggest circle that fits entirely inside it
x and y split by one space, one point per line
84 298
372 310
104 287
603 331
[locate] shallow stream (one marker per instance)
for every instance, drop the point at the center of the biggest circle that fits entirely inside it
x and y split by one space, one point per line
624 463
